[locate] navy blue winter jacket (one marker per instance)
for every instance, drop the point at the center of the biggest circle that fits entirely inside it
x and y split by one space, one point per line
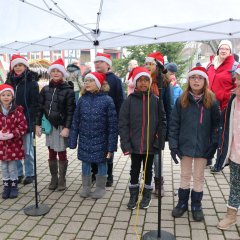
194 129
95 127
116 90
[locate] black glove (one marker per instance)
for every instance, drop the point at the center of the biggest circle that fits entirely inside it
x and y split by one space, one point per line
211 151
174 154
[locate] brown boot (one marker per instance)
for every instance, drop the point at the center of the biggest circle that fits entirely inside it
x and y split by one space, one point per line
62 175
230 218
53 166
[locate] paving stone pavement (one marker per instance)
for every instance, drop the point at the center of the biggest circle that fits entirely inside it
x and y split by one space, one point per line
72 217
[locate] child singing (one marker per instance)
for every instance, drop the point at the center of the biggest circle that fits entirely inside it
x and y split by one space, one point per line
57 102
138 128
13 126
95 128
193 137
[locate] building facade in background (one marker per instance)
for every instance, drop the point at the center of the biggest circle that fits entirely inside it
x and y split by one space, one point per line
70 56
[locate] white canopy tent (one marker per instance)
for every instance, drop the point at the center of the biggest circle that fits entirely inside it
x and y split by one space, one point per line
41 25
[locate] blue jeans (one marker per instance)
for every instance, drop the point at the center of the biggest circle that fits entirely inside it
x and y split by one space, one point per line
156 165
29 157
9 170
86 168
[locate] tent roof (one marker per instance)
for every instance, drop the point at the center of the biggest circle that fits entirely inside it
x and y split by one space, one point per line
39 25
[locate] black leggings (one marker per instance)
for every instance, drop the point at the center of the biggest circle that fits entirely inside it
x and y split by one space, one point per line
137 160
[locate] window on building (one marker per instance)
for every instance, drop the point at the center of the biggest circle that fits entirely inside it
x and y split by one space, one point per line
85 56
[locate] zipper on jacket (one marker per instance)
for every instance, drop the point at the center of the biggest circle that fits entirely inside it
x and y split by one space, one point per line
15 94
143 124
201 116
50 108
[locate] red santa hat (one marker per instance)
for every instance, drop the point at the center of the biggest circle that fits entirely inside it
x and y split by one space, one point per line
5 87
152 57
138 72
16 59
58 64
225 42
98 77
104 57
198 71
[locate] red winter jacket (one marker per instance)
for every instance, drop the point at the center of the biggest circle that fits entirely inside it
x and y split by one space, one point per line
15 123
221 82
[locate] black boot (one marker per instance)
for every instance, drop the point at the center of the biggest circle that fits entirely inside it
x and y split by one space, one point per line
182 206
6 189
20 178
14 189
110 175
146 199
196 205
134 192
94 167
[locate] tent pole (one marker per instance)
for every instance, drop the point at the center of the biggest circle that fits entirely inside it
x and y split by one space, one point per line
159 234
36 210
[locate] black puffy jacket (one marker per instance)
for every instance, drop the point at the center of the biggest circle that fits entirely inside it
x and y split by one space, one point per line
133 123
58 104
26 93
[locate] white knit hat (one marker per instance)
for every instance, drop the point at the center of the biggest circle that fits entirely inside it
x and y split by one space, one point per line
225 42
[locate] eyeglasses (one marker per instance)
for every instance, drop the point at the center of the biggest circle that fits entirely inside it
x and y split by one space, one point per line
194 78
141 80
88 80
224 49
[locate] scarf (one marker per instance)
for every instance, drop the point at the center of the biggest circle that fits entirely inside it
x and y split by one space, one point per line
197 98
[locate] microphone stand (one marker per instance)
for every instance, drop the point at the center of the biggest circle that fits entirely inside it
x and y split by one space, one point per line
36 210
159 234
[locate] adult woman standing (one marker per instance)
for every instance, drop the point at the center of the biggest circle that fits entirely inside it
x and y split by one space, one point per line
220 73
221 80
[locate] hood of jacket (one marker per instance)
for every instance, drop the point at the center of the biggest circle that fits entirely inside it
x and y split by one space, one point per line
30 76
64 85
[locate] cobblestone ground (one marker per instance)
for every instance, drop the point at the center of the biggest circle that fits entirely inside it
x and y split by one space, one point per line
72 217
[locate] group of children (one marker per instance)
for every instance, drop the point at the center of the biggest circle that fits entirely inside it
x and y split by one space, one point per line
92 124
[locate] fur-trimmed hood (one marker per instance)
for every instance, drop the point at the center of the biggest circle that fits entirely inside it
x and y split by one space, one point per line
30 76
